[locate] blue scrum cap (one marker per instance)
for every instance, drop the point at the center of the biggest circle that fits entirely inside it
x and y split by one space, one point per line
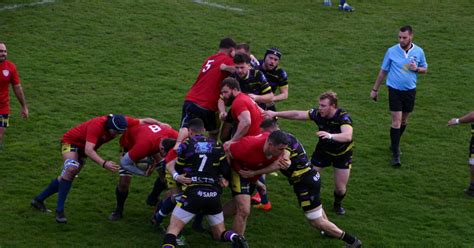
116 122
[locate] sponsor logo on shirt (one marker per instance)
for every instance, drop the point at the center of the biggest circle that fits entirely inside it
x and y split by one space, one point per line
6 73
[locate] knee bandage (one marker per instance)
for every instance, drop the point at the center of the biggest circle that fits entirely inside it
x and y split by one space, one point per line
70 163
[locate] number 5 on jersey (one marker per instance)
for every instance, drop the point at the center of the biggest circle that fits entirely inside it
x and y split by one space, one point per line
208 65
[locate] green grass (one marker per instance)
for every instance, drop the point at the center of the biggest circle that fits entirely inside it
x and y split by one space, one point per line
80 59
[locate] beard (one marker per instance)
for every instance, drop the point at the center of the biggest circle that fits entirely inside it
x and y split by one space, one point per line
228 102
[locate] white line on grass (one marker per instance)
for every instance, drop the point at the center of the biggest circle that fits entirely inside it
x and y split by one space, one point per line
17 6
216 5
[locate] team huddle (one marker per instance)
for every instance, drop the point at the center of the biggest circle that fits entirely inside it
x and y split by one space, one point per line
229 137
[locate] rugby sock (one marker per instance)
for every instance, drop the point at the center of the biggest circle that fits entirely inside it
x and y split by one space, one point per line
64 187
52 188
395 138
338 199
166 208
263 196
121 198
402 129
158 187
228 235
169 241
349 239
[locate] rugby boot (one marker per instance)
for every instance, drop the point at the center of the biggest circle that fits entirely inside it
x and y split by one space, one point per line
61 218
39 205
238 241
338 209
256 199
469 192
265 207
357 244
115 215
346 7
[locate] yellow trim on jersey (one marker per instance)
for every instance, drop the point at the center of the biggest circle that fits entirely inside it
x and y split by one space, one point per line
268 89
339 154
346 125
300 172
282 87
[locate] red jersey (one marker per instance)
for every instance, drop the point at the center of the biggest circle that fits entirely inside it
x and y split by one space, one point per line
241 103
247 154
171 155
206 89
93 131
8 75
144 140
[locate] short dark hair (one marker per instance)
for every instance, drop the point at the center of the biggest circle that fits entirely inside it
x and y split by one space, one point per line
278 137
196 125
241 58
3 42
243 46
406 28
168 144
227 43
269 123
230 82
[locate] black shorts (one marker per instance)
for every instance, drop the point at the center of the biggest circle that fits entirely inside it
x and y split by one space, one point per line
240 185
308 190
200 199
401 100
320 158
3 120
192 110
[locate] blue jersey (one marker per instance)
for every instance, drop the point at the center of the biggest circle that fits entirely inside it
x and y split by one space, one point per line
397 63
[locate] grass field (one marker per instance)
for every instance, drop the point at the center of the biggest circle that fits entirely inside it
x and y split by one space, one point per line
80 59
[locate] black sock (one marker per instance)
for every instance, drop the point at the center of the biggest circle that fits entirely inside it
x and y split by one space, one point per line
158 187
402 129
338 199
169 241
348 238
121 198
395 138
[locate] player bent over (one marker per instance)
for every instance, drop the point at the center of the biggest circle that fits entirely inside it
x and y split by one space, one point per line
79 143
306 185
140 142
203 161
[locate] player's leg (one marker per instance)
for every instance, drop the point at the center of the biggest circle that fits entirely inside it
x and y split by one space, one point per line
395 99
341 177
121 194
342 170
179 219
319 220
158 187
470 190
72 167
262 192
3 127
408 104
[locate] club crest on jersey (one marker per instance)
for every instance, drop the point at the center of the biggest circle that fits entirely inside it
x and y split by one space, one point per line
6 73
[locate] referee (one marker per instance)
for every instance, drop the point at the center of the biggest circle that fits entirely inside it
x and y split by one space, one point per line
401 65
